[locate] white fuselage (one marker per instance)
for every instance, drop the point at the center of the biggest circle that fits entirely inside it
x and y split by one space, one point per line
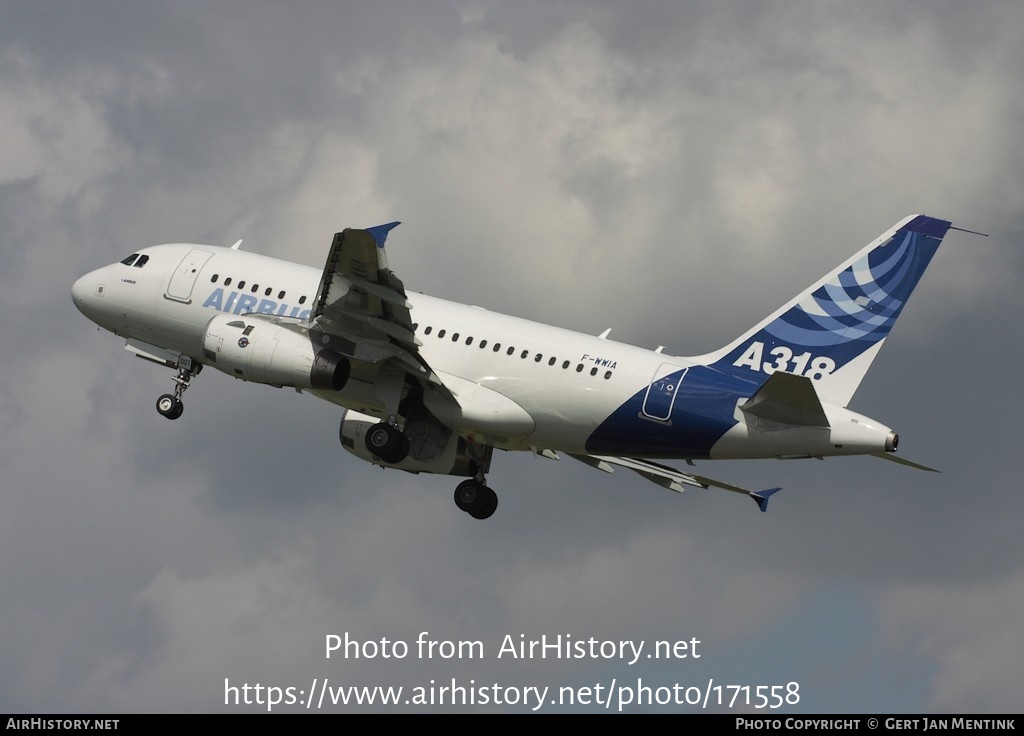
525 385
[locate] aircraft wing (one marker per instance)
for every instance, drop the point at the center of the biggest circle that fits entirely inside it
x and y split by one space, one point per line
670 478
361 310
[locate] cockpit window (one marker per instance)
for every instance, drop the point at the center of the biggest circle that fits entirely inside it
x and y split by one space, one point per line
142 261
130 259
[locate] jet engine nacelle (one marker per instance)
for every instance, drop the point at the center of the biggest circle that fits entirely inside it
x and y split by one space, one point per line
433 448
263 352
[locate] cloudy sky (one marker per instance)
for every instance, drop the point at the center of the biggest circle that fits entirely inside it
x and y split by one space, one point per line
671 170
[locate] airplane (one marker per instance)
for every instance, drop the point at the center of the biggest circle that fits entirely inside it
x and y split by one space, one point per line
428 385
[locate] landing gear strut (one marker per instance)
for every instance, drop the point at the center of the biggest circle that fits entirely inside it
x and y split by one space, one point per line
388 442
169 405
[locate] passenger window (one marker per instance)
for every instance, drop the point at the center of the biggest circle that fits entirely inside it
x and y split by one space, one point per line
280 295
607 375
469 340
241 284
255 288
440 333
427 330
579 368
497 346
302 299
455 337
143 260
525 353
227 281
267 292
551 360
130 259
537 358
593 371
510 351
565 365
483 344
214 279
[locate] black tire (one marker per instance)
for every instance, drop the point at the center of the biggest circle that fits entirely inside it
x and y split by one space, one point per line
169 406
486 504
475 499
467 494
387 442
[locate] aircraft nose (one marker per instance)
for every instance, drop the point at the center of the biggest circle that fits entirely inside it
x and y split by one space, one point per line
85 291
80 291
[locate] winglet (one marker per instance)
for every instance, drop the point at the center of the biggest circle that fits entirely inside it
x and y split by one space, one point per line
761 497
380 232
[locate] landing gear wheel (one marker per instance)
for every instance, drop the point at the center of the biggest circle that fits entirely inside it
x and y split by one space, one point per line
476 499
169 406
466 494
488 506
387 442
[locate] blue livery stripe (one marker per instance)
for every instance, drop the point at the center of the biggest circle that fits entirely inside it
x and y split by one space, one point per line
858 306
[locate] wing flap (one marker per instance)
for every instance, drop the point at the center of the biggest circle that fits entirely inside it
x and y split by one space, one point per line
357 287
362 311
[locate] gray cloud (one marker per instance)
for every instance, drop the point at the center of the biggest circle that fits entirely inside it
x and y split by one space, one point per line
673 172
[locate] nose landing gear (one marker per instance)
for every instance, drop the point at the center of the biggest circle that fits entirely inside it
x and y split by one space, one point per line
169 405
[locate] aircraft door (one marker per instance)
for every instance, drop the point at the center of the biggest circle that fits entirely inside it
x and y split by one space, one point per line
179 288
661 394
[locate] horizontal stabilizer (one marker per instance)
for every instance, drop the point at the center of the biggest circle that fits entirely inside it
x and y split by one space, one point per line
787 398
903 461
670 478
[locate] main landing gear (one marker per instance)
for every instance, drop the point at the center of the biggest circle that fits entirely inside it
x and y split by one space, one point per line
169 405
476 499
388 442
473 496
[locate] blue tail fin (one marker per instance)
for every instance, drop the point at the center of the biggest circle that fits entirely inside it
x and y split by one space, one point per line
832 331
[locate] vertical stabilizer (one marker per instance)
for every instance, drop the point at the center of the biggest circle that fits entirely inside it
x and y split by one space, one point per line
831 332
